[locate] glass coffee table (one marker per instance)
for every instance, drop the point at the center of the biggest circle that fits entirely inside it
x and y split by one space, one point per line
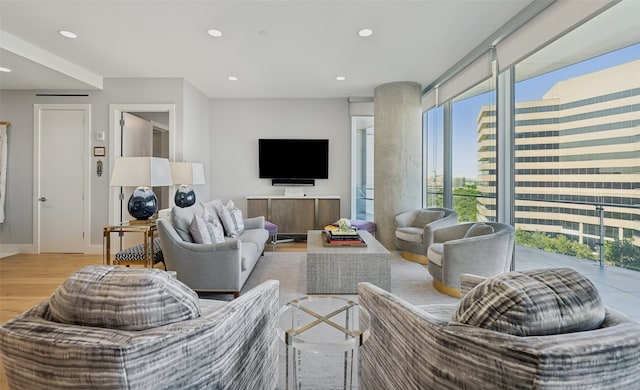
322 335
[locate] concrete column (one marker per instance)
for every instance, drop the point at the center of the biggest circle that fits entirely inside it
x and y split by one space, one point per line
397 155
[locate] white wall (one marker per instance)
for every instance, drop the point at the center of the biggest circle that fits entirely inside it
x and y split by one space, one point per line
16 106
237 124
197 134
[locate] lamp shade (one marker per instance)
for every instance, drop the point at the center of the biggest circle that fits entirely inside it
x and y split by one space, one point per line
187 173
141 171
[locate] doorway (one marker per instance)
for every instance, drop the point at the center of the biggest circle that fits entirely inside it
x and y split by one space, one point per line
61 214
159 120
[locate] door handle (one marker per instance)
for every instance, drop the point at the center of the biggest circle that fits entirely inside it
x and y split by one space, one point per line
42 199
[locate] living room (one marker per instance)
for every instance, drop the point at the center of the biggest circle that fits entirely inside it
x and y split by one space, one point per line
219 123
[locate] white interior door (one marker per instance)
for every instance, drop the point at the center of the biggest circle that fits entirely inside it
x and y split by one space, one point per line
60 179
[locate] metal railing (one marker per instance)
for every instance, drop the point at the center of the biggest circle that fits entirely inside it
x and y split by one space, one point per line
599 207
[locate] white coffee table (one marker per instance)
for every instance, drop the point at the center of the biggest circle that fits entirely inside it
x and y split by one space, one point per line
338 270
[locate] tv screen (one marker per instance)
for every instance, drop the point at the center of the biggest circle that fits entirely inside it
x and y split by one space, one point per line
293 158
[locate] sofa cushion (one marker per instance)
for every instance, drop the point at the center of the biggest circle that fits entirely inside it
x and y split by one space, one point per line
227 221
236 216
199 231
181 220
425 217
478 229
123 298
533 303
410 234
213 226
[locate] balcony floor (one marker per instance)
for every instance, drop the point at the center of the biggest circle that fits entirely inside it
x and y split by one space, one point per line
619 287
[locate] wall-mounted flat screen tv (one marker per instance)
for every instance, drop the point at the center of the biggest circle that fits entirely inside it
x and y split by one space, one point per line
293 158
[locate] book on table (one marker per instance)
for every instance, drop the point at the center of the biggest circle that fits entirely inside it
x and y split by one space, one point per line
343 237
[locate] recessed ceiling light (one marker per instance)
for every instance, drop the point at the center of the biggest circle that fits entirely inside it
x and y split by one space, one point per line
232 78
68 34
365 32
214 32
341 78
3 69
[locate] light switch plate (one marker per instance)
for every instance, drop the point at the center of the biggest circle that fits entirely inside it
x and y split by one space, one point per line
100 136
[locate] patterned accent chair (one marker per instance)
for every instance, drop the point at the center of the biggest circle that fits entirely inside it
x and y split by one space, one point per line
414 230
552 332
111 327
479 248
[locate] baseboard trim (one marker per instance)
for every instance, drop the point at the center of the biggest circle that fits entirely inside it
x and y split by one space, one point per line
14 249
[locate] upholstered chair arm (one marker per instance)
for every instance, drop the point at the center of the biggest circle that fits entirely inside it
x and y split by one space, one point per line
407 350
201 266
475 255
429 228
404 219
449 233
254 223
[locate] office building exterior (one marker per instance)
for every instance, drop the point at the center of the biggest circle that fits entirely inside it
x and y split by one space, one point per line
576 150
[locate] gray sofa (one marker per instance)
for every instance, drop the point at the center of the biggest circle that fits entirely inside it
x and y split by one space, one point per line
219 267
112 327
551 332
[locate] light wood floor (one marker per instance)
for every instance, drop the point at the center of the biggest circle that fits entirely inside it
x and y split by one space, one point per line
26 280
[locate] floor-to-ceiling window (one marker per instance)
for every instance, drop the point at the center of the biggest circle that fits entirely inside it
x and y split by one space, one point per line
474 153
577 157
362 183
434 154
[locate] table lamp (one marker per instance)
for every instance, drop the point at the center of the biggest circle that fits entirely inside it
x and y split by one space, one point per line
185 174
142 173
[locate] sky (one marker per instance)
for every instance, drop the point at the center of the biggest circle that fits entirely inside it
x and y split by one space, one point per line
465 112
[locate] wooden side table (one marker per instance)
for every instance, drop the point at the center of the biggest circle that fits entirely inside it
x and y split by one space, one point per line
147 227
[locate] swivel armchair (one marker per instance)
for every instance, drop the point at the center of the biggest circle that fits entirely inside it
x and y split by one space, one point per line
414 230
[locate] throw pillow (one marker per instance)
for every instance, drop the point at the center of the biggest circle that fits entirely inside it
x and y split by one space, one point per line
212 207
123 298
425 217
181 220
236 215
213 226
478 229
199 231
533 303
227 221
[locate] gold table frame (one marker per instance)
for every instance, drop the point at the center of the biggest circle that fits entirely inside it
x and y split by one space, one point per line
148 228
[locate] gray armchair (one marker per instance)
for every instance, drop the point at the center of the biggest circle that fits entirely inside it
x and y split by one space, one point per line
138 328
432 347
483 249
414 230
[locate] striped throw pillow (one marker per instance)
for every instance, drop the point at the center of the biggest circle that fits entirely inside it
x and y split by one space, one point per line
123 298
533 303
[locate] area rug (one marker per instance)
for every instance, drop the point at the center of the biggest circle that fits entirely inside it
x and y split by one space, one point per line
410 281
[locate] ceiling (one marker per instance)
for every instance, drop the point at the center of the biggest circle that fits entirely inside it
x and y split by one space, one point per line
275 48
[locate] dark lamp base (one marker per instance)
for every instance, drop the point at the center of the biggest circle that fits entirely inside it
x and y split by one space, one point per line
185 197
143 203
